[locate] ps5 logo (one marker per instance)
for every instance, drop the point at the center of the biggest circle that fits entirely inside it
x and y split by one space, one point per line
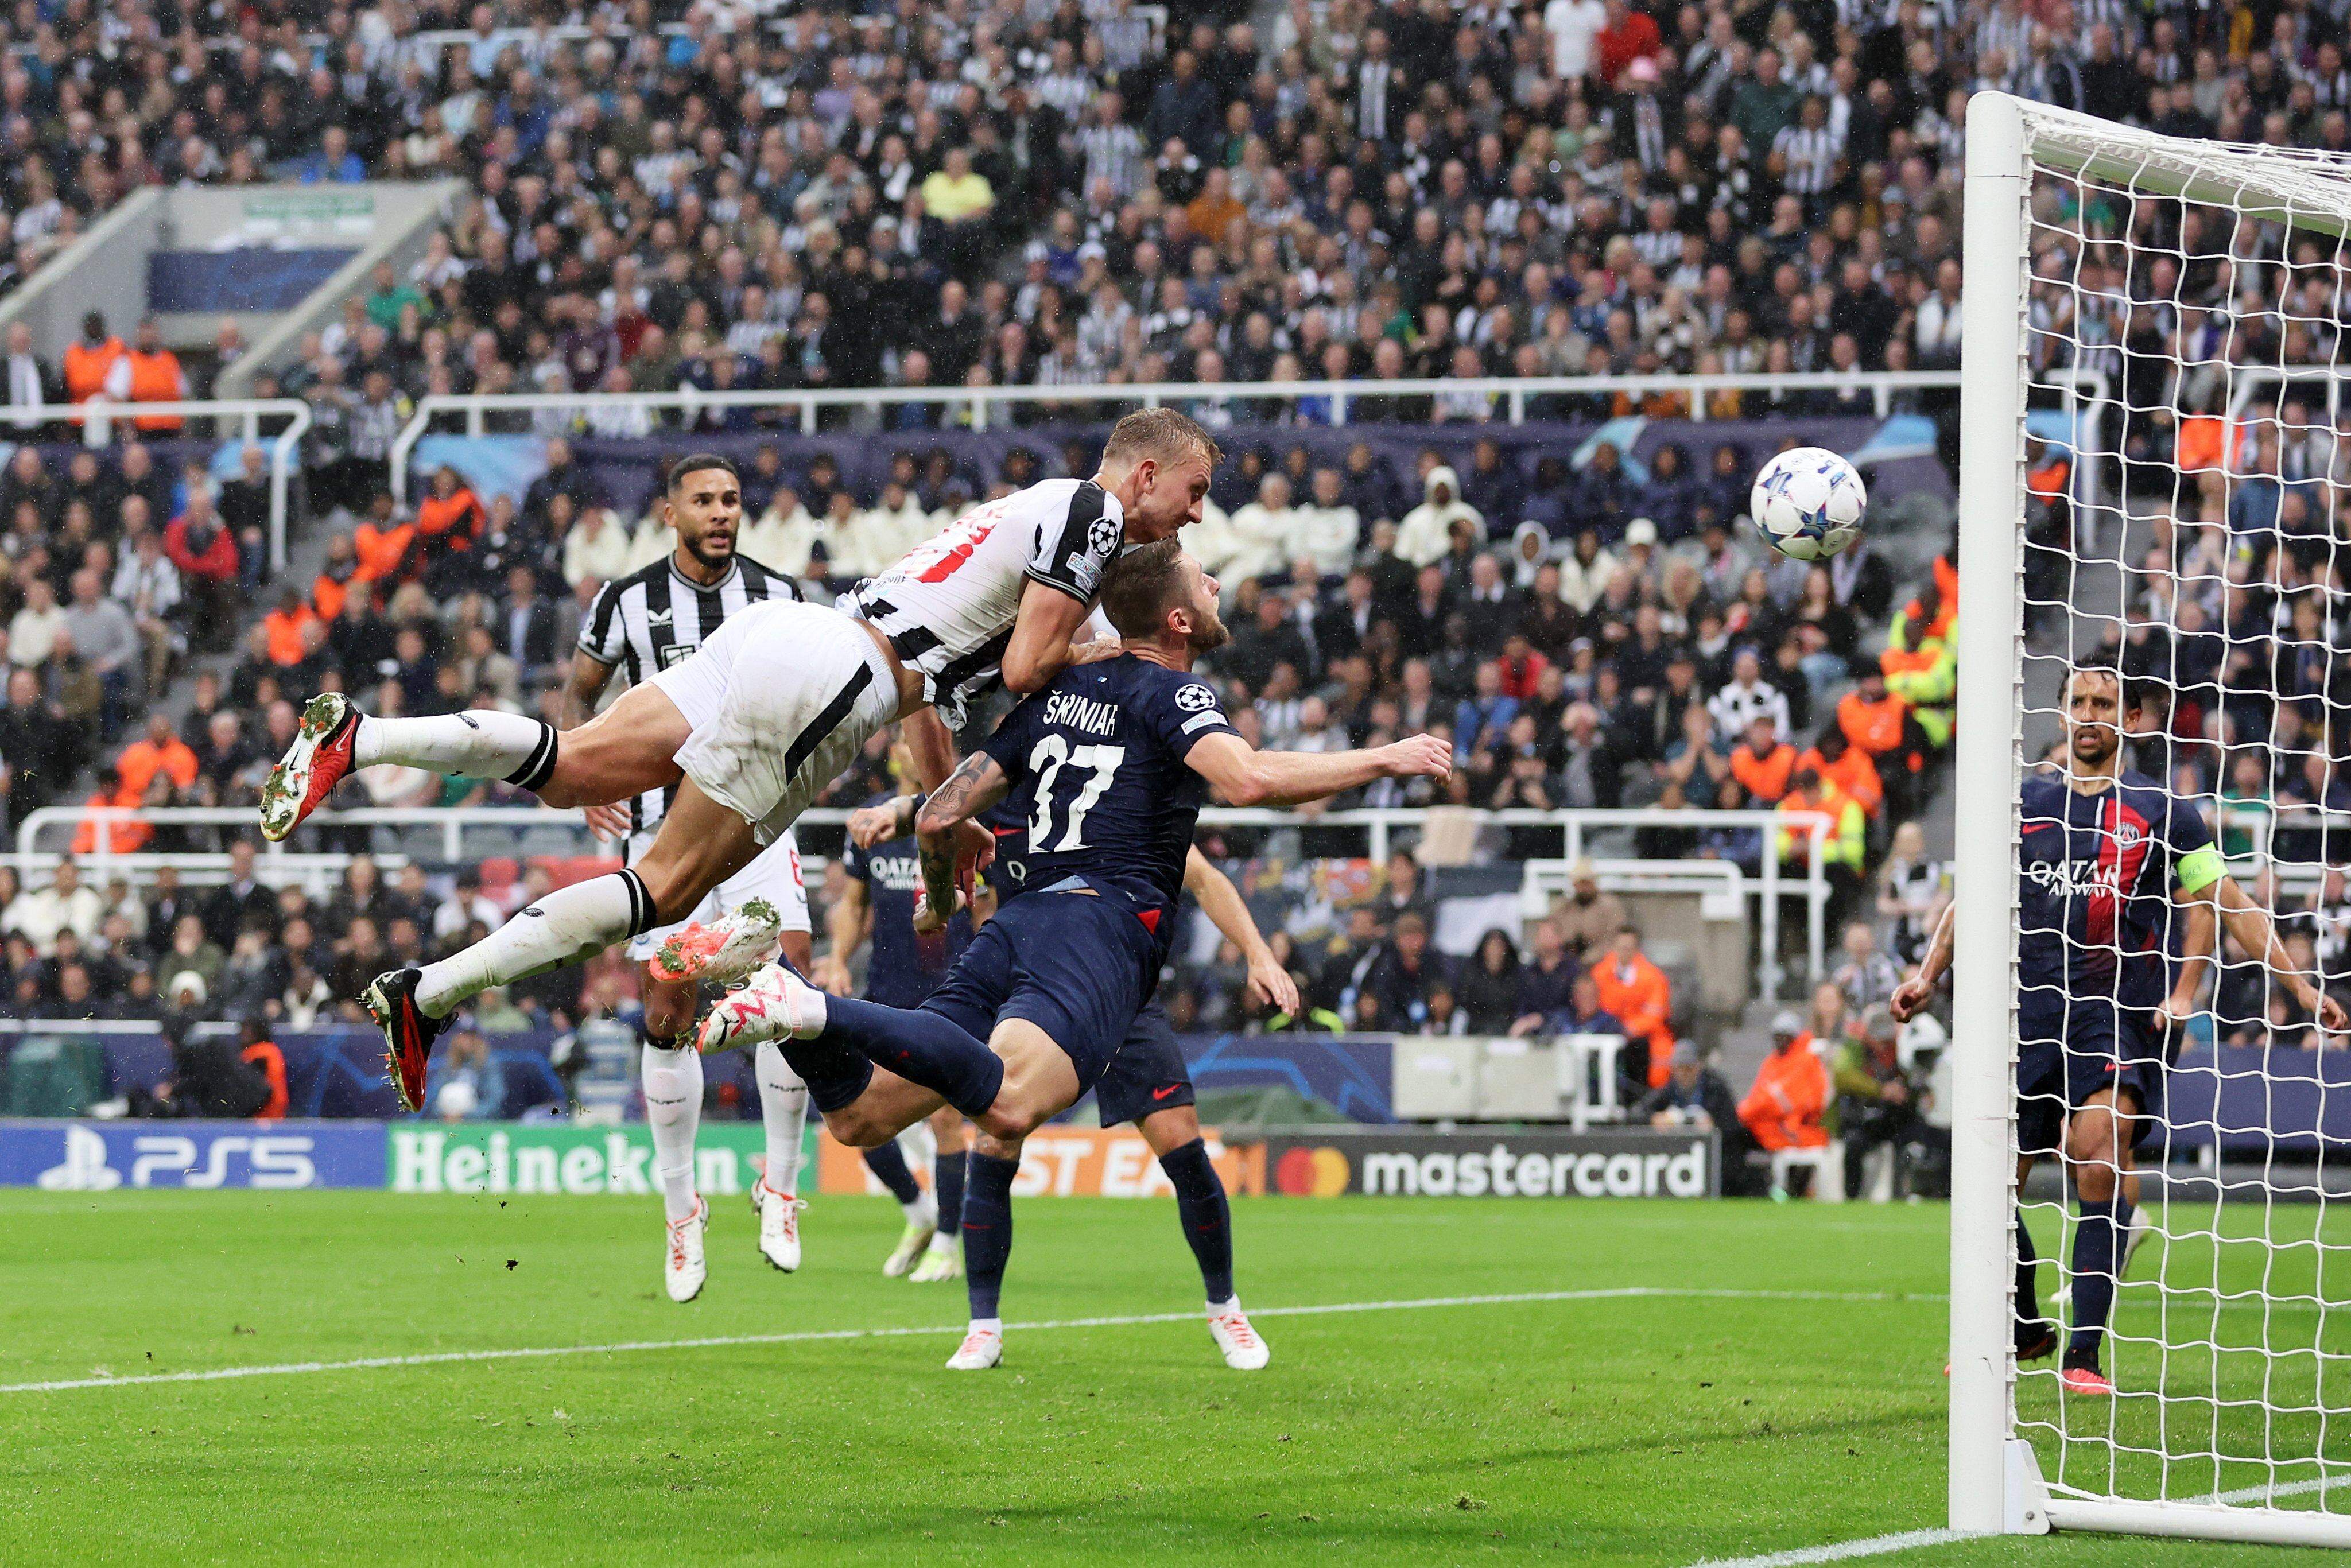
270 1160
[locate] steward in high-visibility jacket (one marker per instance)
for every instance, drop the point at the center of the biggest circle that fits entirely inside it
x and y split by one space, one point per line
1848 767
156 377
1847 845
92 363
1922 662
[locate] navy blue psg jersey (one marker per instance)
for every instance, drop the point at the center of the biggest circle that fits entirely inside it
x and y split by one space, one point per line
1099 780
1007 873
2096 874
903 968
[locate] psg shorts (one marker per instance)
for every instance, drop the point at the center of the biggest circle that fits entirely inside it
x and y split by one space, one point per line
2067 1051
1076 963
1147 1075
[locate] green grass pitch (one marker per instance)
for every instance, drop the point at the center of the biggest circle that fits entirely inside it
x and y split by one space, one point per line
1634 1428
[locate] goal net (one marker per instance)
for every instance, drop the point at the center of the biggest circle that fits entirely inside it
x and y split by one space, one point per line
2152 481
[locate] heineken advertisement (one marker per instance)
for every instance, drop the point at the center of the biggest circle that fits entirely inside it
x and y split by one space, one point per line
524 1158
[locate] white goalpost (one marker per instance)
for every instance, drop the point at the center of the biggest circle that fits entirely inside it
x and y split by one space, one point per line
2155 334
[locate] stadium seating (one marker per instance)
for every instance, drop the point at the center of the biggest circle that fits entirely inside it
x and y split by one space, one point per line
1037 196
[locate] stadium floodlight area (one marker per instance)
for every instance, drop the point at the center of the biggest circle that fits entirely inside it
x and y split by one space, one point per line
2088 245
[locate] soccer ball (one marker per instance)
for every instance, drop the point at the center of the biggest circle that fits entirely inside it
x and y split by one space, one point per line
1808 502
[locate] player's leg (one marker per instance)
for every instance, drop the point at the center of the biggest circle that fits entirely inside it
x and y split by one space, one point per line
672 1079
1206 1216
1148 1083
2040 1106
943 1259
625 750
700 844
2101 1126
986 1247
887 1160
775 878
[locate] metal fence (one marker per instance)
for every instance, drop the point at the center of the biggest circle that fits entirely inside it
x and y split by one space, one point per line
449 826
232 419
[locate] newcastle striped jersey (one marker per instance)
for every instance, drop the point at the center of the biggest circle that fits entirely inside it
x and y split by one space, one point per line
947 607
654 618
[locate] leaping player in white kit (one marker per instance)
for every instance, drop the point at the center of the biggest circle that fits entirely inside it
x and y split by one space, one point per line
750 728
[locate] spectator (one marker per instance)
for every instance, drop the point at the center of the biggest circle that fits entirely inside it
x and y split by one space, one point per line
1589 917
40 915
1401 977
1424 534
1877 1102
1636 991
1695 1096
156 377
1747 697
1912 890
29 388
1791 1095
1762 762
205 556
1545 983
1490 986
1868 976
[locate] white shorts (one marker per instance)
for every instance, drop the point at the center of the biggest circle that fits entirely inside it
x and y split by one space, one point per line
774 876
779 702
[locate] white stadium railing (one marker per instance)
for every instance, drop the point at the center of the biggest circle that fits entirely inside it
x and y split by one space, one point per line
277 865
1505 395
98 416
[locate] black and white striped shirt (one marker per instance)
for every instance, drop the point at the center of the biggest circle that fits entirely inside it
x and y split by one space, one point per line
1812 156
656 617
948 606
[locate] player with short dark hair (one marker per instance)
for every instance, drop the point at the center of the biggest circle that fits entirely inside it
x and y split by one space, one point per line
2118 887
1110 764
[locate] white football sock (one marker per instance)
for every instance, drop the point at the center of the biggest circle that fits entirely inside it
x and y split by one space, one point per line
480 743
566 926
923 1211
672 1084
783 1106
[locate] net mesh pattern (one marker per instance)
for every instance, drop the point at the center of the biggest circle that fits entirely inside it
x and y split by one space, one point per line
2188 522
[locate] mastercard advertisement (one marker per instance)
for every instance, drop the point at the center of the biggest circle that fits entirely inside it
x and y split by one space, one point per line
1068 1161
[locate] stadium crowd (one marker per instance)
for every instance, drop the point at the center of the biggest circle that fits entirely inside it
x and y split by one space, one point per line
1045 195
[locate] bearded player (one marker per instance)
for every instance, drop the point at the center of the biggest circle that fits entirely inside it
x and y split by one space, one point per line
2115 875
1148 1083
1111 762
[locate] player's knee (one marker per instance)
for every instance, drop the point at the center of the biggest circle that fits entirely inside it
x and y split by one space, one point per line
1010 1122
667 1016
995 1148
856 1129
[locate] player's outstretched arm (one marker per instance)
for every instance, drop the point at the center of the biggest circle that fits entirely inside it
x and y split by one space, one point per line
1910 996
1221 901
1243 777
2251 926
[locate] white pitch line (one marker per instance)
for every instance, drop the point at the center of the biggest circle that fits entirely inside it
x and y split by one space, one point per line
1837 1551
1879 1545
527 1353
